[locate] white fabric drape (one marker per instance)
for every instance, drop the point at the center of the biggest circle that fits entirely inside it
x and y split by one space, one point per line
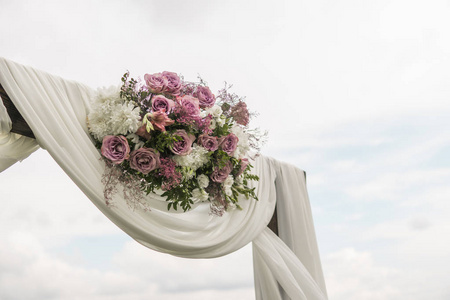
56 110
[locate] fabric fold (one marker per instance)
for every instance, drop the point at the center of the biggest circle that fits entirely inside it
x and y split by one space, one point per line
13 147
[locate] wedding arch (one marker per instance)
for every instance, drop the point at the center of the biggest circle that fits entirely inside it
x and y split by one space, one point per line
43 110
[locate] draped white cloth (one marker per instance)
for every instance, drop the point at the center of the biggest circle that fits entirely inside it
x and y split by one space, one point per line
286 268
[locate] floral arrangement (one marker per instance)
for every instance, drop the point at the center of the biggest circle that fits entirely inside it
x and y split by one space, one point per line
174 137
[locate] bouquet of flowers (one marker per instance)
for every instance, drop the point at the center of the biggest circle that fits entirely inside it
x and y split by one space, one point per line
176 138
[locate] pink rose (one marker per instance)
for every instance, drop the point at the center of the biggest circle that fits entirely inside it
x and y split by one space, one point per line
240 114
219 175
173 83
244 163
208 142
183 146
190 105
160 120
228 143
156 82
144 160
160 102
205 97
115 148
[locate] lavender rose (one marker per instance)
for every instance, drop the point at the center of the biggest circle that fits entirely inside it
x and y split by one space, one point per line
190 105
183 146
157 83
115 148
208 142
229 143
205 97
173 82
160 102
219 175
144 160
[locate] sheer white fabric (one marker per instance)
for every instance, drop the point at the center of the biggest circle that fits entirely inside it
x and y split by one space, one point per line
56 110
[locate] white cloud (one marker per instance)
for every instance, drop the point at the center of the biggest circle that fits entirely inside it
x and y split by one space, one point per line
355 275
29 271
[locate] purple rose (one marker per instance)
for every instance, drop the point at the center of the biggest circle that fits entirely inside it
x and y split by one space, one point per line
144 160
208 142
228 143
219 175
160 102
240 114
173 83
205 97
243 165
115 148
157 83
183 146
189 105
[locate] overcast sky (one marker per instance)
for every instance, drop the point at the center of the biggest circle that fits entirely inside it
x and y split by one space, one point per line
356 93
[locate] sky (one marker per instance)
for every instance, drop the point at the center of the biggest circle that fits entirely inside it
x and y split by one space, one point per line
356 93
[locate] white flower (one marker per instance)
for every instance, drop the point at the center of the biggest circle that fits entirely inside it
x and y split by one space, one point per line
199 195
110 116
108 94
187 173
215 111
243 145
125 118
135 139
227 184
203 180
203 114
213 124
194 160
220 120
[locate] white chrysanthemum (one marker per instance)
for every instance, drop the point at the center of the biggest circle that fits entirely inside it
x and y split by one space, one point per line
194 160
199 195
98 119
110 116
203 180
108 94
125 118
227 184
243 145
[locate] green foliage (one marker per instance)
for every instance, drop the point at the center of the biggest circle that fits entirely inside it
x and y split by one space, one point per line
162 141
179 196
130 90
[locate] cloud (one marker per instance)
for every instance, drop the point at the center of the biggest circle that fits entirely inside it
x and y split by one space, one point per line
137 273
355 275
234 271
